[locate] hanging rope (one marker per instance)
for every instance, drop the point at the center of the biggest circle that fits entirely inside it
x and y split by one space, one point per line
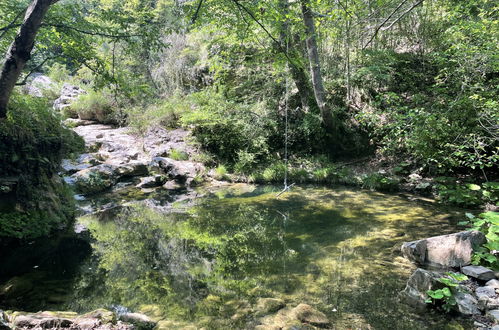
286 125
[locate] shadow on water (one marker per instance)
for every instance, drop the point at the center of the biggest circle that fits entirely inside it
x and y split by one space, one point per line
203 263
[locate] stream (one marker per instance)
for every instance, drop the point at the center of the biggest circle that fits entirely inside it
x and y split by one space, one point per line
204 257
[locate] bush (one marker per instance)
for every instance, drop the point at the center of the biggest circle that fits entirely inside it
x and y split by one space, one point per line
96 105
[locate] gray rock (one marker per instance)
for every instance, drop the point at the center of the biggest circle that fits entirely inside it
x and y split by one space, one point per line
467 304
94 179
454 250
485 292
307 314
478 272
69 93
37 85
140 320
418 284
495 327
493 283
494 315
151 181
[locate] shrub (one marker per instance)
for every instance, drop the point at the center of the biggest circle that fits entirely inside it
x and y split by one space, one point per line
178 155
96 105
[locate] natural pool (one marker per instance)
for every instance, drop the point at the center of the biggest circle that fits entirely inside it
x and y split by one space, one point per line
205 261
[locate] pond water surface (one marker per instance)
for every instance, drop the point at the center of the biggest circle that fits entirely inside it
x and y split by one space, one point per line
205 261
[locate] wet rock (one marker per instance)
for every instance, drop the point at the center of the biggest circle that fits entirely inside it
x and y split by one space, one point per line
418 284
3 321
141 321
466 303
131 169
493 283
151 181
269 305
95 179
307 314
454 250
478 272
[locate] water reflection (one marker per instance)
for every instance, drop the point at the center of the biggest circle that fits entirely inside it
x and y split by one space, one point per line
205 263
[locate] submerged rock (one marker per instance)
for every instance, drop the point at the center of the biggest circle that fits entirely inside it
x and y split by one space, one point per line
269 305
307 314
479 272
446 251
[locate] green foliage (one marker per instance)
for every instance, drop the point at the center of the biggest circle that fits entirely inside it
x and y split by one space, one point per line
178 154
96 105
488 223
379 181
445 295
32 138
467 195
221 173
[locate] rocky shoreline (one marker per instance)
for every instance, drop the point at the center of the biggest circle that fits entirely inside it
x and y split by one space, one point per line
442 260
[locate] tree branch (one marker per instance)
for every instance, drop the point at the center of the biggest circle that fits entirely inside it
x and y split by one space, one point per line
196 14
25 80
92 33
12 24
403 14
383 23
279 45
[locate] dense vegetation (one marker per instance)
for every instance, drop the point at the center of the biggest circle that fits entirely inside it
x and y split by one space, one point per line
412 85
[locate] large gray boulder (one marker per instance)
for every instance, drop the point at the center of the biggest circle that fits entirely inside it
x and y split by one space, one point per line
446 251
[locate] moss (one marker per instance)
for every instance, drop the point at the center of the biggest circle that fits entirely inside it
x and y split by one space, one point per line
32 145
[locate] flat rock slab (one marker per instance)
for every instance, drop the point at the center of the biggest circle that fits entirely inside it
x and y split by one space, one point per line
479 272
446 251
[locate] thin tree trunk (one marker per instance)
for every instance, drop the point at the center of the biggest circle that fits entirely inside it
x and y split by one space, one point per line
19 51
298 73
315 66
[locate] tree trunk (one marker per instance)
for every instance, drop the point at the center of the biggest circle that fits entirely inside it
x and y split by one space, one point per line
19 51
315 66
298 73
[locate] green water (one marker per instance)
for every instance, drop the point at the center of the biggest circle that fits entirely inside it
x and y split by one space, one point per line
205 262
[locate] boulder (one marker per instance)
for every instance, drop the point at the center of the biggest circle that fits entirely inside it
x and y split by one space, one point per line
141 321
269 305
307 314
68 94
418 284
151 181
493 283
446 251
479 272
95 179
466 303
485 292
37 85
